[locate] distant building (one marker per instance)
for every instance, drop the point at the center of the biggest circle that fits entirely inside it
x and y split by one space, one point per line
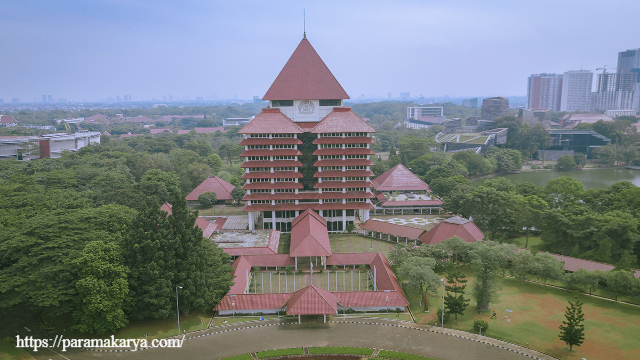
405 96
576 90
544 91
629 62
494 107
424 123
452 126
158 131
70 121
7 121
473 103
536 116
418 113
15 100
221 188
568 121
454 226
49 98
50 145
398 190
580 141
615 91
616 113
236 121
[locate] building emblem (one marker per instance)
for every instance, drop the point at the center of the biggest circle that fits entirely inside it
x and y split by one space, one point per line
306 107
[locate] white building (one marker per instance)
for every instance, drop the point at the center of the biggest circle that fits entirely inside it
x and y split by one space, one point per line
576 90
544 91
417 113
50 145
236 121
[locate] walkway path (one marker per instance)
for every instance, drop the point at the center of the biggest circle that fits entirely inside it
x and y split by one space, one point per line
373 333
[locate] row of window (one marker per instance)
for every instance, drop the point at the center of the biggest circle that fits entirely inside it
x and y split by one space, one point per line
329 168
326 102
258 158
358 178
266 147
345 134
357 156
356 145
271 135
330 157
274 169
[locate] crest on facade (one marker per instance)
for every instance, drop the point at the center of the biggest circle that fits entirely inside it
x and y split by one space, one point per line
306 107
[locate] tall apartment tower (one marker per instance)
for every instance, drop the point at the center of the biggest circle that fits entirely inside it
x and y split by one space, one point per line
615 91
544 91
576 90
629 63
306 150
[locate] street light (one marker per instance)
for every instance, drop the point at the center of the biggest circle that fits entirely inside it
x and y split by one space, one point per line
444 284
508 322
233 305
387 291
178 308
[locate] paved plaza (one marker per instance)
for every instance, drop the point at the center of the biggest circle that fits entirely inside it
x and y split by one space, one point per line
412 221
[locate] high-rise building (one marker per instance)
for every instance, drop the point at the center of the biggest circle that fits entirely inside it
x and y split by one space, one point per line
544 91
50 98
306 151
615 91
44 98
473 103
494 107
629 62
405 96
576 90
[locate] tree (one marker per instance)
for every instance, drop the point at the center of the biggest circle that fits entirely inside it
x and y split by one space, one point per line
606 155
215 163
411 147
422 278
563 191
521 264
456 303
170 180
476 164
546 266
443 186
506 160
207 199
580 160
102 286
492 210
513 124
449 169
529 213
237 194
454 201
200 147
486 263
565 162
572 330
620 283
230 151
588 279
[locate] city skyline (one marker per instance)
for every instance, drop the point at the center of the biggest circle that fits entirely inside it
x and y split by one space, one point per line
201 49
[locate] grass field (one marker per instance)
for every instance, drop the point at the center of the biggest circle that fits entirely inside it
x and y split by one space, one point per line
270 282
220 210
345 243
611 330
340 350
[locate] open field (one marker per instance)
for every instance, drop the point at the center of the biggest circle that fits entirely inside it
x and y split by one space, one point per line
611 330
341 280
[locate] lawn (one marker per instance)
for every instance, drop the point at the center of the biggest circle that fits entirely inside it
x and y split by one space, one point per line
340 350
219 210
349 280
280 352
402 356
8 351
535 243
611 330
345 243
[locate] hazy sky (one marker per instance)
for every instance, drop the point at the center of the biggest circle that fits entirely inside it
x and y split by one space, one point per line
153 48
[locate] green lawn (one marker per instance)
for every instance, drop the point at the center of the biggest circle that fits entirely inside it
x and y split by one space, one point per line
402 356
346 280
340 350
345 243
240 357
279 352
9 351
535 243
612 330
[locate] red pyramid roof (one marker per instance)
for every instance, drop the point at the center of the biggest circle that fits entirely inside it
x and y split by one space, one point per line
312 301
309 236
455 226
271 121
221 188
399 178
342 119
305 77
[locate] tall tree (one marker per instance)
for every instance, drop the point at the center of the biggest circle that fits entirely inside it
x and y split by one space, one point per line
546 266
492 210
486 263
529 213
572 330
422 278
456 303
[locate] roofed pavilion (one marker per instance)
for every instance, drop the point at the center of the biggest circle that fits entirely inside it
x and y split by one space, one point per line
454 226
309 237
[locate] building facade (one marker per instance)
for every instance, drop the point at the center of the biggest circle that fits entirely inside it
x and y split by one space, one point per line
494 107
576 90
615 91
417 113
544 91
629 62
306 151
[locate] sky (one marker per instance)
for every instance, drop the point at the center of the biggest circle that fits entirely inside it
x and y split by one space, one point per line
94 49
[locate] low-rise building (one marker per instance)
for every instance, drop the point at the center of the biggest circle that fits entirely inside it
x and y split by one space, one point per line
50 145
221 188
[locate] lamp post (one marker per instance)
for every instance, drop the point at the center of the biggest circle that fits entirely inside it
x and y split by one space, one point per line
444 283
480 327
233 306
508 322
387 291
178 308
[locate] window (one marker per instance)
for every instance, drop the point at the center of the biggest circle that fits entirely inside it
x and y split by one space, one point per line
259 169
285 201
356 168
258 147
332 190
284 169
331 135
259 180
284 190
260 202
282 135
281 103
331 200
284 180
331 146
330 157
360 178
260 191
282 146
356 200
284 158
356 145
332 179
356 156
329 168
259 135
331 102
257 158
356 189
356 134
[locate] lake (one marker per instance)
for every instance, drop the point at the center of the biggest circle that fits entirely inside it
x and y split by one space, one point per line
592 179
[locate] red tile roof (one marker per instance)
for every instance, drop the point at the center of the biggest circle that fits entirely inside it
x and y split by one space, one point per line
385 278
158 131
388 203
221 188
307 126
7 119
342 119
350 258
399 178
252 301
270 260
311 300
393 229
274 141
347 151
305 77
309 235
140 119
241 267
271 121
207 227
274 163
275 152
370 298
96 117
348 162
271 175
345 140
340 173
455 226
342 184
275 185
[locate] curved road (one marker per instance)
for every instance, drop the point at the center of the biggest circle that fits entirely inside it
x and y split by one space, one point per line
246 340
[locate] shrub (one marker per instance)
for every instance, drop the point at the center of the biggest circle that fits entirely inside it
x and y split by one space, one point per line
535 167
446 316
548 166
207 199
566 162
350 227
288 269
334 268
477 323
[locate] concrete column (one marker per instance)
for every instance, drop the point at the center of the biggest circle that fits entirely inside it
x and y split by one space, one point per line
250 220
388 237
344 220
299 322
296 260
273 220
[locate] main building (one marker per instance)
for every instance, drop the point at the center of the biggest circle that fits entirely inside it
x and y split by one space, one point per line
306 150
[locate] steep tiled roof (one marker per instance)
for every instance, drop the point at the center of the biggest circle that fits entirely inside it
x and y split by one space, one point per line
399 178
221 188
7 119
309 235
350 258
468 231
271 121
370 298
342 119
252 301
270 260
311 300
393 229
305 77
158 131
241 266
206 226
